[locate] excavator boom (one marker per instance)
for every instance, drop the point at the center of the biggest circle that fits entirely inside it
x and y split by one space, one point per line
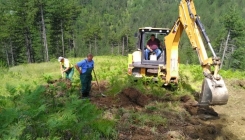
214 91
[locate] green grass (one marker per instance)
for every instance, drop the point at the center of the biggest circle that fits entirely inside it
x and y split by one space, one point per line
26 108
106 68
110 68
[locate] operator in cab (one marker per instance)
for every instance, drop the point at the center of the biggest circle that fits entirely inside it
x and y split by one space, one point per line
153 45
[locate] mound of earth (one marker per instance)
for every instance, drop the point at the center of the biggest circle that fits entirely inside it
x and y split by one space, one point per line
103 85
129 97
191 106
240 83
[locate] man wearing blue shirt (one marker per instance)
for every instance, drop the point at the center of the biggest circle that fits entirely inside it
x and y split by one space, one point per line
85 68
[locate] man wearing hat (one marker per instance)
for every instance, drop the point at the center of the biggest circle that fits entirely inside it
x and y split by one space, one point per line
66 67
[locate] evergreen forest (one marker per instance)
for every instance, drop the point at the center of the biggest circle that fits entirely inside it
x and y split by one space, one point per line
34 31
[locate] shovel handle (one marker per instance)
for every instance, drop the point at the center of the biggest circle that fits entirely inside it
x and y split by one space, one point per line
98 84
96 79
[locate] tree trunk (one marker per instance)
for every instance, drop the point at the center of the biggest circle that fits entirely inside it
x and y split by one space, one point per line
62 39
90 47
7 55
226 44
123 47
74 44
28 51
118 49
45 44
95 45
127 44
112 49
70 45
43 48
12 52
32 51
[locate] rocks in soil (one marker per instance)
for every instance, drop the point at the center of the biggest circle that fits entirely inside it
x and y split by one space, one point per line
174 135
240 83
243 118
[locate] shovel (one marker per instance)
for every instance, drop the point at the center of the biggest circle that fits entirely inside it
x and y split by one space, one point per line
98 84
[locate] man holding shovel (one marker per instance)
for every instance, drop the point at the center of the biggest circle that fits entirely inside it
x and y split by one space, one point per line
66 67
85 68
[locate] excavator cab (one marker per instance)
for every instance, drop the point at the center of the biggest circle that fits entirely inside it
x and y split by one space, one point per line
138 65
144 36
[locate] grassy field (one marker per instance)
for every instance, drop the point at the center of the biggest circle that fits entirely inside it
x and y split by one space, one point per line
26 107
106 67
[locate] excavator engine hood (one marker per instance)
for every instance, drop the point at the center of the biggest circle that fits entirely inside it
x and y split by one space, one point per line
214 92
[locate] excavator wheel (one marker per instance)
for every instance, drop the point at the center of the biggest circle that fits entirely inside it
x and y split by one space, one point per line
214 92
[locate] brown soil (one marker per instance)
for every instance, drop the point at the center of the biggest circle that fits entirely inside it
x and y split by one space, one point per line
240 83
129 97
191 122
196 122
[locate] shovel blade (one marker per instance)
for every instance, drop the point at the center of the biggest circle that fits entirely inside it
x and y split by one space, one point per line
214 92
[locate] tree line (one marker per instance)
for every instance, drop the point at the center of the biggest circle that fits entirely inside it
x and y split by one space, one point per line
40 30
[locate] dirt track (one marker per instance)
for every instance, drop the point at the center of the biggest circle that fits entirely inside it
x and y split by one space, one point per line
232 115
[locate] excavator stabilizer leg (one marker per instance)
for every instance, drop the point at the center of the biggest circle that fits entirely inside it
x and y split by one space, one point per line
214 92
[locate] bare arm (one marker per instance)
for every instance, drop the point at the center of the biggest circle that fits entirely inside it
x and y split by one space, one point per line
61 69
78 69
148 47
66 69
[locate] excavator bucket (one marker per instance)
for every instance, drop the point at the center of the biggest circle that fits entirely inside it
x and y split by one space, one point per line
214 92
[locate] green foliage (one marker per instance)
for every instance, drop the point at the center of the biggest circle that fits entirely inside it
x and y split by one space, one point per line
28 111
232 74
143 119
34 110
105 128
104 27
234 25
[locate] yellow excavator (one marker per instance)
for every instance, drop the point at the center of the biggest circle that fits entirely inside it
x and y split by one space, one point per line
165 66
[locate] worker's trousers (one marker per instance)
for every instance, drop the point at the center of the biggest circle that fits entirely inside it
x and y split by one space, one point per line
86 79
70 73
157 51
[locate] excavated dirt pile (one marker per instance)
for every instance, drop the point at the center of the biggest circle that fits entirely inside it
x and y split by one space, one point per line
129 97
240 83
133 97
191 106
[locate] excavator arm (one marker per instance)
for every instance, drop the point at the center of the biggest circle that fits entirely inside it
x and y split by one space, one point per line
214 91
